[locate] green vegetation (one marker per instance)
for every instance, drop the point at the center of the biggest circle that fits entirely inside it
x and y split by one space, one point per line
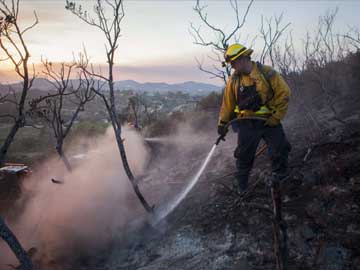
30 144
33 145
89 129
168 124
210 102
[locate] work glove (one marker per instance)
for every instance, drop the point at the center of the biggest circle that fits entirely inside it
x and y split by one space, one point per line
272 122
222 130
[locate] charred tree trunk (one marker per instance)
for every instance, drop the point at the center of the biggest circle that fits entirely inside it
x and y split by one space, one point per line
59 150
279 228
117 130
14 244
120 143
111 29
136 119
9 139
131 177
62 135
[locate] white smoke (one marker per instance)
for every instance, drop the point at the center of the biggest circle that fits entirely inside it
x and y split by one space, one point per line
96 203
88 209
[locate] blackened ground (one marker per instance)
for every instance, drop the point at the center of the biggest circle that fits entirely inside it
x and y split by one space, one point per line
215 228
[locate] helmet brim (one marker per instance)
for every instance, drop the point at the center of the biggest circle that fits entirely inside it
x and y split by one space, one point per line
247 52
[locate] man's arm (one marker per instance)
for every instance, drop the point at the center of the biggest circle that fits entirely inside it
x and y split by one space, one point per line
280 101
228 103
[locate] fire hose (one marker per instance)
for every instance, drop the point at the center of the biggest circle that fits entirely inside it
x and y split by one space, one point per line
162 213
222 137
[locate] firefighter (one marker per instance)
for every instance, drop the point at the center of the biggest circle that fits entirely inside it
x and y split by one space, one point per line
258 97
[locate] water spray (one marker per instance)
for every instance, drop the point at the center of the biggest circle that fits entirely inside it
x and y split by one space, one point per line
161 213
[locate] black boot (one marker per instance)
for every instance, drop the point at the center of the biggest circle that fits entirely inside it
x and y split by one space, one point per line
241 183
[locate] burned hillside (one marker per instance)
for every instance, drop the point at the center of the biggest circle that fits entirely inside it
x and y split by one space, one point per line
215 227
102 173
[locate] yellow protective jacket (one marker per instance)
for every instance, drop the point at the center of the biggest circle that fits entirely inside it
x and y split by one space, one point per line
276 100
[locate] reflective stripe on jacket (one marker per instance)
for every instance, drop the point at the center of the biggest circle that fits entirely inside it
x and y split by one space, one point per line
276 100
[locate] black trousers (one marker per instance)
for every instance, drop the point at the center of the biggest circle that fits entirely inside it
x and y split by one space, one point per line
250 132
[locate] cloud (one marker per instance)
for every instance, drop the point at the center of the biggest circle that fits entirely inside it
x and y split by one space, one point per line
8 76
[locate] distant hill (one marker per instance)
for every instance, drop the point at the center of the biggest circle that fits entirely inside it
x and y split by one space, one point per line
39 84
190 87
9 108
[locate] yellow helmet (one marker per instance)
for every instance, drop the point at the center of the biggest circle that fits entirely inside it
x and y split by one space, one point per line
236 50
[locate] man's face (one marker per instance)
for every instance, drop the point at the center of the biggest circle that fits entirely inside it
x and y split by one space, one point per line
239 64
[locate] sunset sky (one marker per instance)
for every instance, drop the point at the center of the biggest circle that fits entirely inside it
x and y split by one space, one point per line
156 44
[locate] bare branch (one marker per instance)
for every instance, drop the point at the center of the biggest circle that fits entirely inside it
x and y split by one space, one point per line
50 108
112 35
203 16
15 48
219 74
270 34
353 35
239 25
20 61
221 43
199 40
77 11
31 26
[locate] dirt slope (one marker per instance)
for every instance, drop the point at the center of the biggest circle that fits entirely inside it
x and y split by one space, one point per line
215 229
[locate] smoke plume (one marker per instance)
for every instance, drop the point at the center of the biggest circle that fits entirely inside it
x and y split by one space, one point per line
67 214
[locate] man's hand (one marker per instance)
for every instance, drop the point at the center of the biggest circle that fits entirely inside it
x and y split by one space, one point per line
222 130
272 122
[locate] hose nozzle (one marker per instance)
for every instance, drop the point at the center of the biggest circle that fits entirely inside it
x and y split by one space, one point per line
220 138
